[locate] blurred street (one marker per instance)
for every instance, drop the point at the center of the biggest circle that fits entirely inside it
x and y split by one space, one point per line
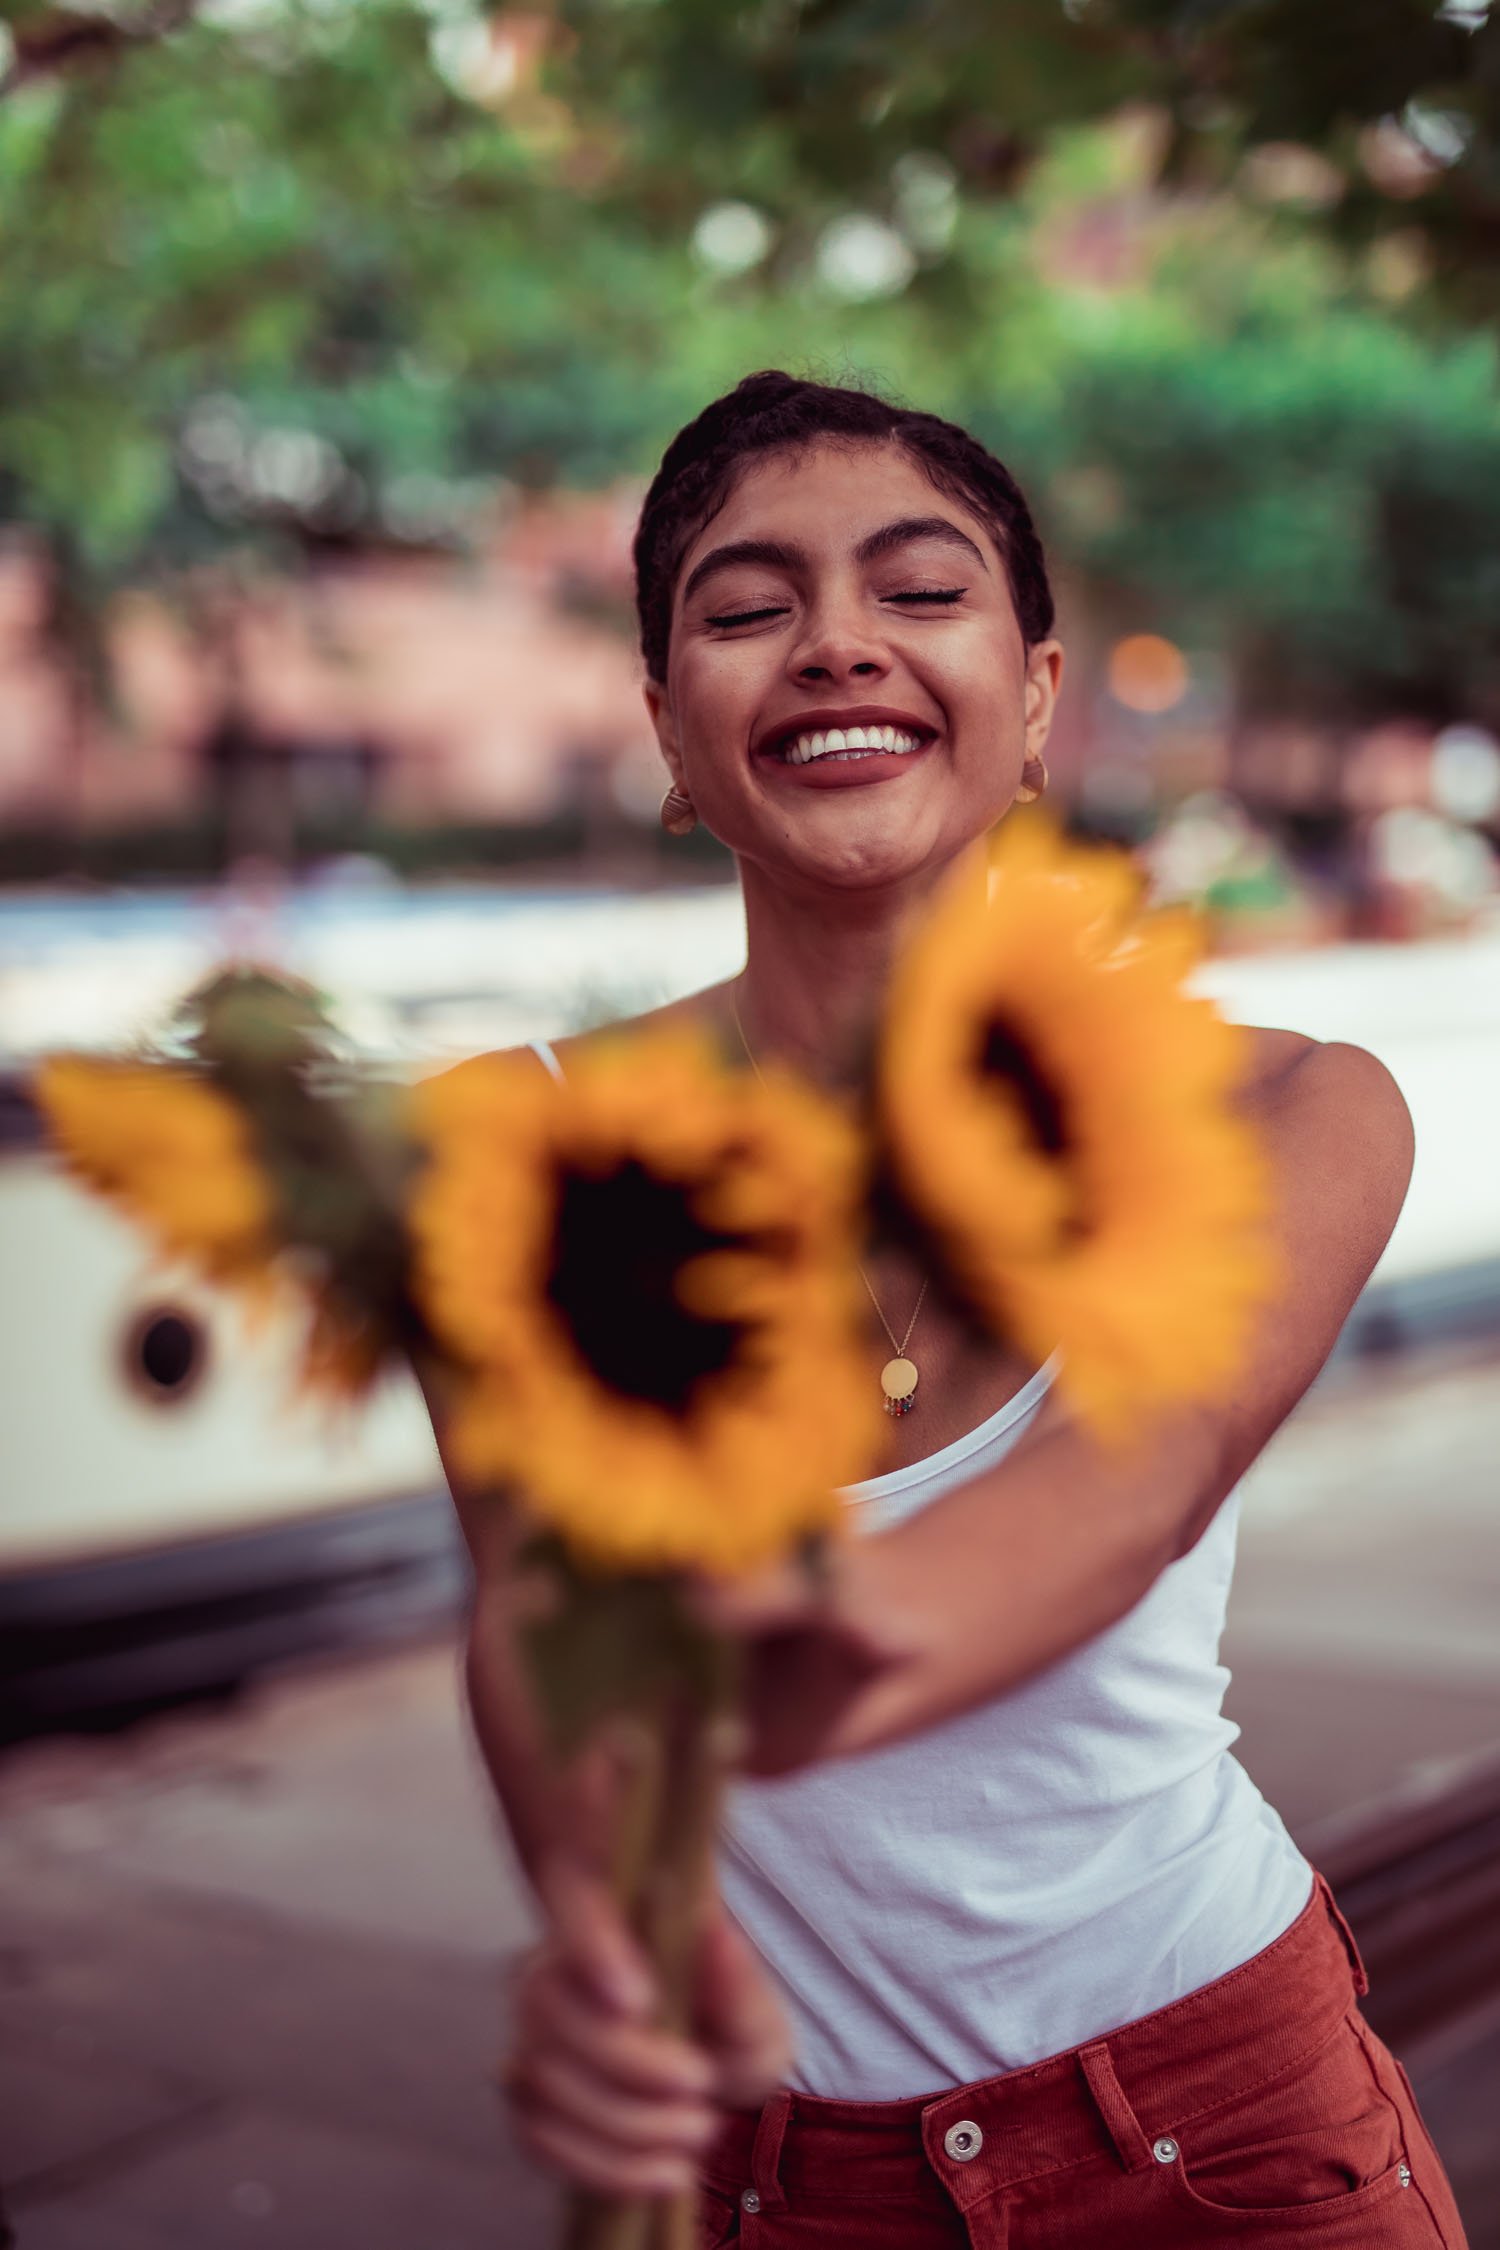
253 1957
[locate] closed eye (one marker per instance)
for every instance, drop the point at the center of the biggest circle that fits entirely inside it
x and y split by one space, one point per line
746 616
941 594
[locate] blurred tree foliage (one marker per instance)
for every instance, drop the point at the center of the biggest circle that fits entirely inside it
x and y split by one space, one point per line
300 273
1384 113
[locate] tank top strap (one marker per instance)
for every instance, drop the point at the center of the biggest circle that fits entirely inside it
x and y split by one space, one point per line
542 1049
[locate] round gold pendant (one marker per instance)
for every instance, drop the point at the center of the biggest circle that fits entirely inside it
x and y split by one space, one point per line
898 1380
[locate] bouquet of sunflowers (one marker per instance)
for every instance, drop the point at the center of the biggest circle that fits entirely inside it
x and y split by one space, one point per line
625 1281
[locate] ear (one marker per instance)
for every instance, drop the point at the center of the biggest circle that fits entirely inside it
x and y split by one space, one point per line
1044 671
660 711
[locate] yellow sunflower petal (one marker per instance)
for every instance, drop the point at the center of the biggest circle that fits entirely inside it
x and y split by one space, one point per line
1092 1188
168 1149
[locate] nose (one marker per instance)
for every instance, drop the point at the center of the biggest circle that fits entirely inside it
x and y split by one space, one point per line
839 644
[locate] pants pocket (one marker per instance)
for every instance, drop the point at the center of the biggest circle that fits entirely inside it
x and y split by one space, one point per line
1431 2179
1321 2146
1346 2221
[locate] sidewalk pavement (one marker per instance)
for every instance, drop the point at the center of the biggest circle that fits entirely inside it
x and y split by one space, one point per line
252 1958
252 1967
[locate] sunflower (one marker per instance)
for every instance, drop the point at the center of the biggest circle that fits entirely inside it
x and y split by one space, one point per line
1056 1113
169 1149
647 1275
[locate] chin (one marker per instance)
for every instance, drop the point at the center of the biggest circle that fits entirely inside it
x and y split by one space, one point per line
869 855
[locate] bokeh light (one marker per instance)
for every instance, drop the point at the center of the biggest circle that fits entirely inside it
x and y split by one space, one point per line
860 257
732 237
1147 673
1466 773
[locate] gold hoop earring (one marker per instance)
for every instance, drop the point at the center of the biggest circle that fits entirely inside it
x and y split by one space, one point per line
1027 793
677 815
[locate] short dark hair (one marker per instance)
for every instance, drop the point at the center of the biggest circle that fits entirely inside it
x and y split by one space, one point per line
772 412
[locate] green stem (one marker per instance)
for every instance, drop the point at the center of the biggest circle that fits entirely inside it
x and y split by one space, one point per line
664 1877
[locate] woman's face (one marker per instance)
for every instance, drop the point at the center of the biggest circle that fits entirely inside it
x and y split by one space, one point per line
836 589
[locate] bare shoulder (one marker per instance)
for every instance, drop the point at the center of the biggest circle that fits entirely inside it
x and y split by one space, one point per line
1328 1102
694 1008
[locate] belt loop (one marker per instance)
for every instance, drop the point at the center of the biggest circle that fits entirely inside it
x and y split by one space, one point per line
1356 1962
765 2156
1124 2126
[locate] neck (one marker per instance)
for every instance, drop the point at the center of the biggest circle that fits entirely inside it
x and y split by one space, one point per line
817 965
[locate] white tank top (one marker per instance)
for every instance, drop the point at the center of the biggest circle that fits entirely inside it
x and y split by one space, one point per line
1033 1873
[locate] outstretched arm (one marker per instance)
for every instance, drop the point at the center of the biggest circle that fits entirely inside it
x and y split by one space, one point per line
600 2090
1012 1571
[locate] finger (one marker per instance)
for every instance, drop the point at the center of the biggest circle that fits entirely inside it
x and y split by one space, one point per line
551 2083
800 1690
586 2156
768 1600
597 1778
850 1592
740 2017
592 1936
642 2059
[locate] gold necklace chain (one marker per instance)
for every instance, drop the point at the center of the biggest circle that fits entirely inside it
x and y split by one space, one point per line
898 1349
898 1377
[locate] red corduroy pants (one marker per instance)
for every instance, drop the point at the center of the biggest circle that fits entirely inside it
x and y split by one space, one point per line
1260 2109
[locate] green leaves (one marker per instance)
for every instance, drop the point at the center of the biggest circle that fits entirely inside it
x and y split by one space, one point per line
1323 504
371 243
335 1145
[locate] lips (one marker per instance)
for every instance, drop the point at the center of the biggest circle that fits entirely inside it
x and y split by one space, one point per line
773 741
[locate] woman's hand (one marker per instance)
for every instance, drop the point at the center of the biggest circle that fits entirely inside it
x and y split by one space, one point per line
602 2093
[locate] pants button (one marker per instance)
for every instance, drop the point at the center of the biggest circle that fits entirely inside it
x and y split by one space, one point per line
1165 2150
750 2201
963 2141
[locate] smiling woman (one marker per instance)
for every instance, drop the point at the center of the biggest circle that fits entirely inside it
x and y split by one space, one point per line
792 588
879 546
1040 1963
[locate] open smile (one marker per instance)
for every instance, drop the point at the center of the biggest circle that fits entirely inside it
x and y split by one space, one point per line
826 745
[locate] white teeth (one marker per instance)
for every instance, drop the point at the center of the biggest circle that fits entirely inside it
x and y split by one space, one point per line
805 747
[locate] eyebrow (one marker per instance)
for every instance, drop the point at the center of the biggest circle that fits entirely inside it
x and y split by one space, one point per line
773 553
906 530
776 554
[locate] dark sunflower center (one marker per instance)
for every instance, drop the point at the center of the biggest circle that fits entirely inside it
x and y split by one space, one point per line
619 1244
1005 1055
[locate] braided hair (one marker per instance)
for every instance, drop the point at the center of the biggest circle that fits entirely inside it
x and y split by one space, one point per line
773 412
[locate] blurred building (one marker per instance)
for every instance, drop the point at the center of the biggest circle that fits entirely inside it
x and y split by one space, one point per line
411 688
399 692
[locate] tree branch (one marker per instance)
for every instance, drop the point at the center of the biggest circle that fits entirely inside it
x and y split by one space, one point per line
49 45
